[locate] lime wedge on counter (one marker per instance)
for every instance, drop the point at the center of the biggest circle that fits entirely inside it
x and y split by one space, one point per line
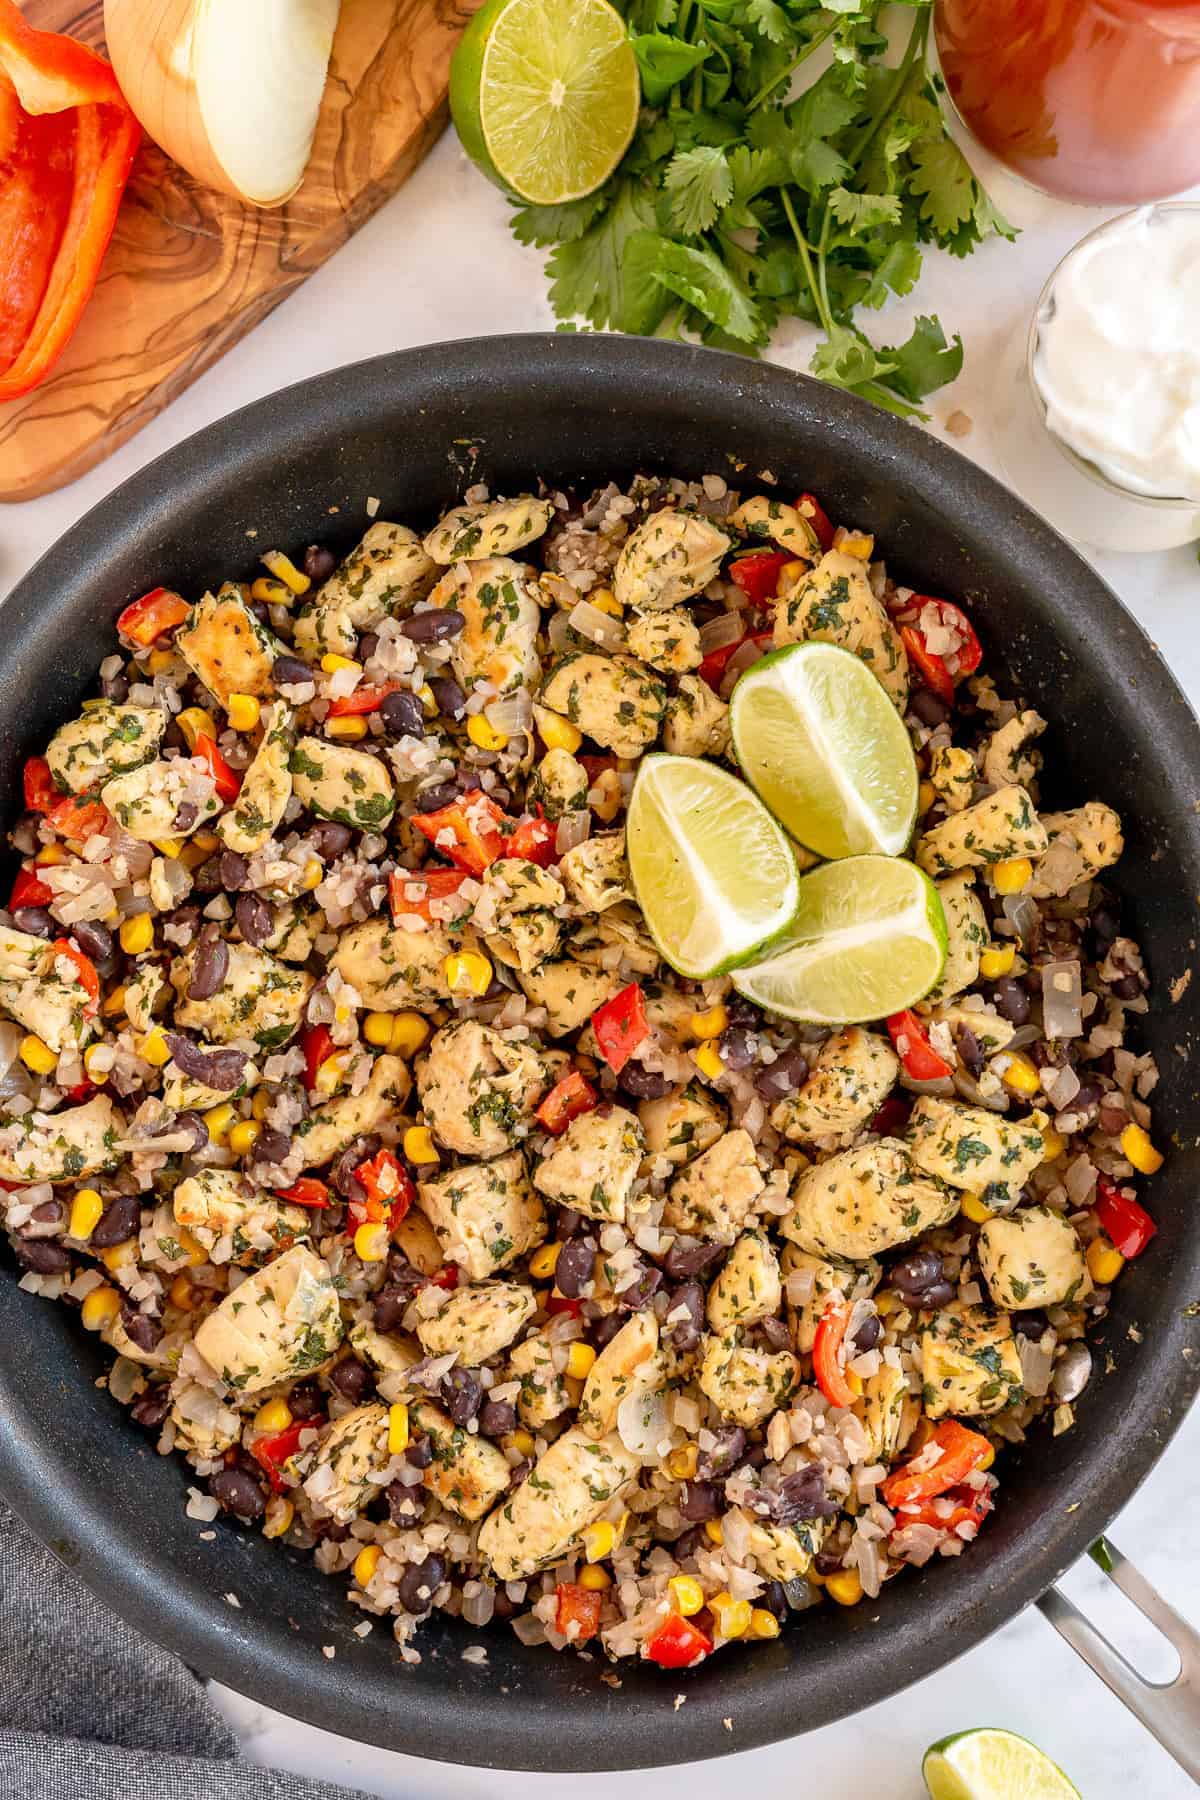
714 875
545 95
824 747
868 938
989 1764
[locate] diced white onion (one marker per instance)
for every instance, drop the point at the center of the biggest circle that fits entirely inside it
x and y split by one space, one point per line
1022 914
574 828
726 629
598 627
643 1423
512 713
1062 1001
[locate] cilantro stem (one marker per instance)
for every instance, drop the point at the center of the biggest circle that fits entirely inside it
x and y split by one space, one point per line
815 289
785 74
915 47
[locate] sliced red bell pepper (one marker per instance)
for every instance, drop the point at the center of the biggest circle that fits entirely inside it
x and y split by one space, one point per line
389 1188
227 784
930 668
362 700
713 668
1127 1224
427 884
827 1361
818 518
758 574
967 659
892 1116
473 824
962 1451
678 1643
921 1061
78 816
316 1043
38 783
573 1095
276 1451
68 139
445 1277
145 620
966 1503
533 841
83 1090
84 968
307 1191
620 1026
559 1303
29 891
577 1606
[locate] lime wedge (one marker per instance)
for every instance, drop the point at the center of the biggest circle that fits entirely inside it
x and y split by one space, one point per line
990 1764
817 736
714 875
868 938
545 95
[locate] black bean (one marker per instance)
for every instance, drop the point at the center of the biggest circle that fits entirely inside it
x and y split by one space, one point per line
970 1050
435 625
352 1379
503 1607
42 1256
827 1562
405 1503
496 1417
1106 925
1011 999
186 814
140 1328
115 687
1087 1099
210 965
1129 987
640 1291
462 1391
306 1400
606 1329
220 1069
342 1176
184 922
289 671
237 1493
234 870
419 1452
913 1274
700 1500
689 1543
272 1146
643 1083
774 1333
419 1583
774 1599
782 1076
1031 1324
743 1012
724 1456
501 796
938 1293
931 710
800 1495
153 1406
329 839
570 1222
573 1270
118 1222
402 715
448 697
736 1047
261 611
319 563
95 940
685 1333
36 921
191 1121
868 1334
686 1258
255 918
51 1212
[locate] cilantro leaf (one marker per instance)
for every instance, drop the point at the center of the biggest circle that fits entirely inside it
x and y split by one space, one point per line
942 177
863 212
591 278
701 279
664 62
897 272
770 20
847 360
700 184
924 361
544 225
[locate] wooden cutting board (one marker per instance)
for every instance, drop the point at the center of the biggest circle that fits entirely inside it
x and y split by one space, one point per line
189 272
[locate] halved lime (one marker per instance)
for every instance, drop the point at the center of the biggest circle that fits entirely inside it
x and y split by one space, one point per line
990 1764
868 939
817 736
545 95
714 875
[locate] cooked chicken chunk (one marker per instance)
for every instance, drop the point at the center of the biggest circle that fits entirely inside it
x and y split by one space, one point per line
41 988
744 1384
467 1474
614 699
389 967
387 573
967 936
696 722
485 1214
103 741
671 557
970 1148
748 1288
477 1322
280 1322
595 1163
348 786
862 1201
518 905
1082 843
329 1129
596 873
572 1484
218 1203
809 1281
489 528
970 1363
1033 1258
998 828
682 1124
266 787
627 1362
260 1000
854 1072
834 604
349 1463
226 647
63 1145
478 1089
499 601
714 1196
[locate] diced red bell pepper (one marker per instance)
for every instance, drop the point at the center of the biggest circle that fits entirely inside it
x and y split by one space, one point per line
28 890
227 784
818 518
40 791
968 658
758 574
362 700
307 1191
84 968
577 1606
83 1090
962 1451
474 824
930 668
1127 1224
144 621
389 1187
921 1061
434 884
892 1116
620 1026
967 1503
560 1303
678 1643
316 1043
595 766
713 668
78 816
276 1451
445 1277
827 1362
573 1095
533 840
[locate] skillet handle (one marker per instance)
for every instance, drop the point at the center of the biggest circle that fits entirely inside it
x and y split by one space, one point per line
1169 1709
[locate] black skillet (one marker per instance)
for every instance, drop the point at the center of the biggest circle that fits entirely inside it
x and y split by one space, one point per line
413 429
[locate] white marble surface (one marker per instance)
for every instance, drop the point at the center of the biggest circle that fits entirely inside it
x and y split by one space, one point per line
438 263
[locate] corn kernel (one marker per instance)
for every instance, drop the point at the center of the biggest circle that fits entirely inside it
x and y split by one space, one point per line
348 730
763 1624
467 972
681 1463
1011 876
137 934
191 855
371 1241
714 1532
854 543
997 961
38 1056
605 601
192 1248
732 1617
926 795
844 1586
709 1062
419 1146
606 797
790 572
1104 1262
425 695
410 1033
687 1595
155 1048
709 1024
86 1208
1137 1148
208 841
168 847
99 1308
273 1416
542 1262
332 662
556 732
262 1103
397 1428
483 733
285 570
378 1028
988 1458
599 1540
114 1004
593 1578
1053 1144
279 1515
120 1256
522 1442
243 712
366 1563
329 1076
219 1120
976 1209
270 591
182 1294
314 874
91 1057
1020 1076
580 1358
160 661
244 1136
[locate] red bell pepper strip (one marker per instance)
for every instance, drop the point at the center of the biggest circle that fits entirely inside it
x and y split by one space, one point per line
969 656
620 1026
962 1451
930 668
678 1643
78 816
713 668
534 841
473 824
276 1451
84 968
577 1606
1128 1225
227 784
567 1099
445 1277
83 1090
389 1189
758 574
559 1303
307 1191
818 518
950 1510
316 1043
29 891
921 1061
144 621
434 884
362 700
69 140
827 1361
40 791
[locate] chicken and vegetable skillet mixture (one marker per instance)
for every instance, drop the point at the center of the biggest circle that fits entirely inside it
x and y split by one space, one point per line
444 1229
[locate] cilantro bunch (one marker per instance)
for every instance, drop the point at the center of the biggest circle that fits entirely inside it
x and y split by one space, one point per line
734 206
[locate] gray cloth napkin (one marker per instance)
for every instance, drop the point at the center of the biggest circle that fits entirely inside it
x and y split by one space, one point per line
90 1710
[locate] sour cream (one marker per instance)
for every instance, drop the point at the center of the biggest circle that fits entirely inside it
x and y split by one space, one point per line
1117 353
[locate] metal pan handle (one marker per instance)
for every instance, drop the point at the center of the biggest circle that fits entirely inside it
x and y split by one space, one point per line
1169 1709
